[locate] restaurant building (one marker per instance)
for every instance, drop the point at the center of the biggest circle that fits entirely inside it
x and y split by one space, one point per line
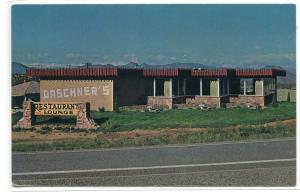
108 88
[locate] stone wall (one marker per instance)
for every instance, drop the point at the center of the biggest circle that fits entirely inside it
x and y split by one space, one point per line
204 100
83 117
182 99
242 100
28 118
160 101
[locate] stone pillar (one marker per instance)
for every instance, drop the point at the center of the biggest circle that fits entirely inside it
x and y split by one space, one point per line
28 118
83 117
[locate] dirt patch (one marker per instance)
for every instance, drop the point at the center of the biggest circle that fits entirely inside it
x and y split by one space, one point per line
59 135
286 123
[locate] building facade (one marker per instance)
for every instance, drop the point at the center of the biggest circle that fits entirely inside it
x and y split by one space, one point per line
108 88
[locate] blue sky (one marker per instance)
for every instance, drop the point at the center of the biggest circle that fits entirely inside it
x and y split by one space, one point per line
220 35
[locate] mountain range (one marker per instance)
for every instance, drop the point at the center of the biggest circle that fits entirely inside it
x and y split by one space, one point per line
290 79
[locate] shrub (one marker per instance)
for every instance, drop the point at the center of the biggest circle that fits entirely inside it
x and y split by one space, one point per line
107 126
164 139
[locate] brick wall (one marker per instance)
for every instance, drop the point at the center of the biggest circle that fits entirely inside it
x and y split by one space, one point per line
160 101
242 100
206 100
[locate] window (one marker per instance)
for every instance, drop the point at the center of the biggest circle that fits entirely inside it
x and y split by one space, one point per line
247 87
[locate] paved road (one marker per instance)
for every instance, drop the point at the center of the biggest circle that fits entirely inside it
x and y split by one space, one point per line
248 163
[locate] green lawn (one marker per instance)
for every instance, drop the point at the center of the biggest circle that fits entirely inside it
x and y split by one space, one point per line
190 118
185 118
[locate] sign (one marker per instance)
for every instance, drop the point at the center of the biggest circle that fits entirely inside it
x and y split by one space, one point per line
55 108
99 93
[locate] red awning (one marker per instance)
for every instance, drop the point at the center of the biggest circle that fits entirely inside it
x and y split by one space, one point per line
76 72
259 72
210 72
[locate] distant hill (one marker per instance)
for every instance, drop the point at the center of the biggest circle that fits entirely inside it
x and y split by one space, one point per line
171 65
18 68
273 67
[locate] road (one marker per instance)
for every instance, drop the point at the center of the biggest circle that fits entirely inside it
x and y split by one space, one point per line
245 163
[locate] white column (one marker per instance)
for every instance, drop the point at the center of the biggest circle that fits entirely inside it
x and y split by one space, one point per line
154 87
171 88
184 86
245 86
178 87
200 86
227 86
218 87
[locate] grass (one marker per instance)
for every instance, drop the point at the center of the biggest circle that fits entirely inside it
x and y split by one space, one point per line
186 118
250 126
212 135
193 118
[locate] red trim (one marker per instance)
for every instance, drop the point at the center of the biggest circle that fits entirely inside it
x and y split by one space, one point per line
210 72
161 72
155 72
104 72
259 72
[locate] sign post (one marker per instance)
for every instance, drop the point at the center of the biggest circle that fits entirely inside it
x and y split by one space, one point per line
80 110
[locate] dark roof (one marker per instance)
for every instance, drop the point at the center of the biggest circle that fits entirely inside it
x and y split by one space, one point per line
154 72
30 87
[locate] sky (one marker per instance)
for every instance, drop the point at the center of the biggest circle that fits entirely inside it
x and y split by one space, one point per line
219 35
